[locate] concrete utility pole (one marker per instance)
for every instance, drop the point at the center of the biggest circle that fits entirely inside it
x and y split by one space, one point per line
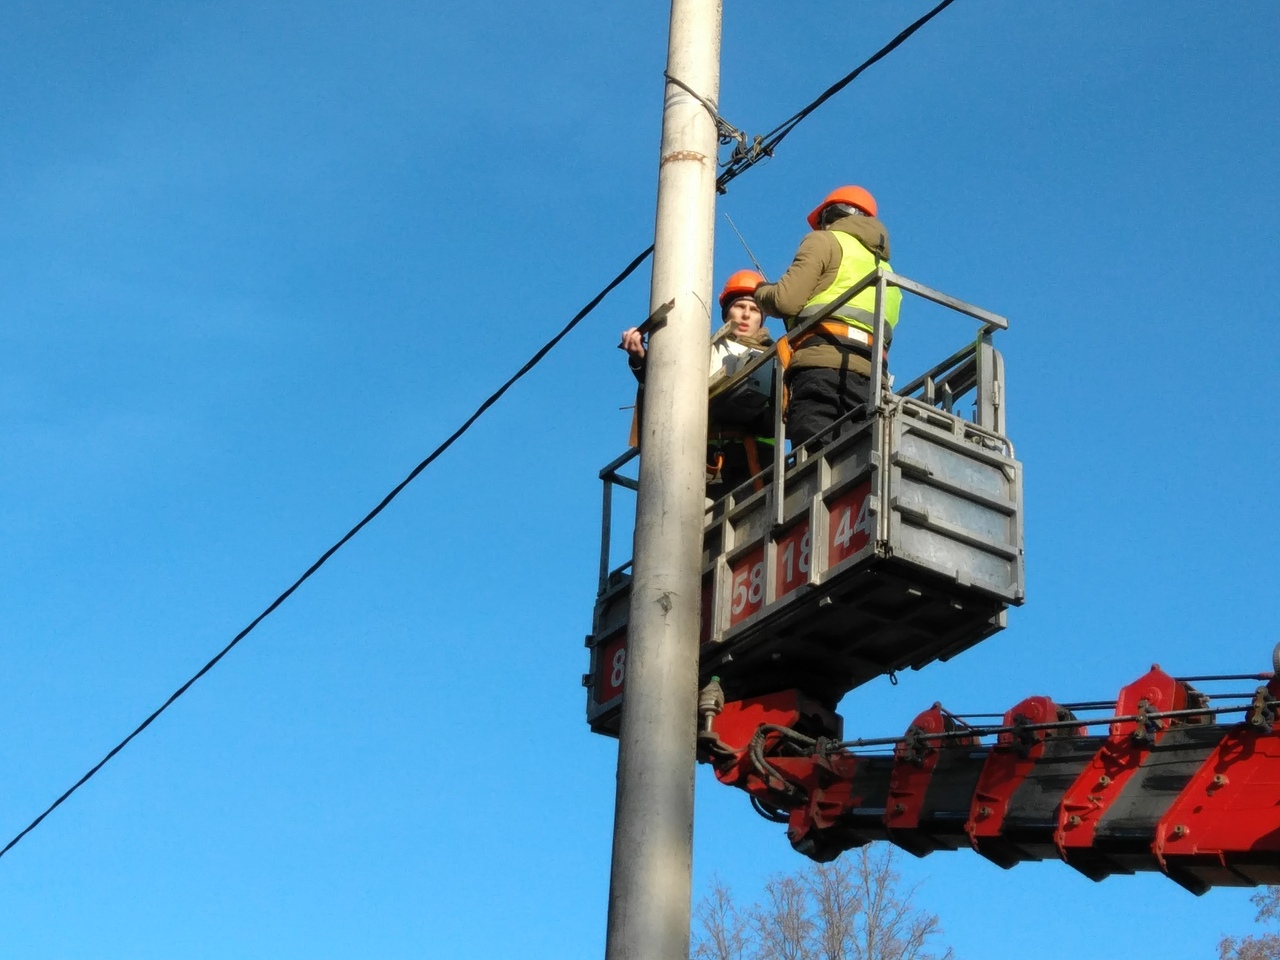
649 892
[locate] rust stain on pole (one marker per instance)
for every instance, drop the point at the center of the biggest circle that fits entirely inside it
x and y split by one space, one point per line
683 155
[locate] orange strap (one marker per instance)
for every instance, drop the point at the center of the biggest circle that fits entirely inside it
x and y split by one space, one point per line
753 463
834 327
784 352
714 468
752 450
633 438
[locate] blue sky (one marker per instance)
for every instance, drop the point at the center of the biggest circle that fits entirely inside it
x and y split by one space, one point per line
257 260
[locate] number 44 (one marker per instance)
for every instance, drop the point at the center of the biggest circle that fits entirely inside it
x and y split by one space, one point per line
864 525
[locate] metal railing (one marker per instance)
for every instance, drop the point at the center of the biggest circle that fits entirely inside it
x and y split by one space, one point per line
976 367
609 474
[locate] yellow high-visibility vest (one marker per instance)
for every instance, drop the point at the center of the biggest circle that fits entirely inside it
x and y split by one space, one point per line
856 261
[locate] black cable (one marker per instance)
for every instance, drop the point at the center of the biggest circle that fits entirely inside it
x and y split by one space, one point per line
739 165
745 159
1053 725
772 814
395 492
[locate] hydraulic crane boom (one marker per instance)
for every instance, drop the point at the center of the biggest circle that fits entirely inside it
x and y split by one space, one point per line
892 541
1169 787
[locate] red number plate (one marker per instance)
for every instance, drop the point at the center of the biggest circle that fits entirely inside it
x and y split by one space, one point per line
852 524
611 669
746 591
792 565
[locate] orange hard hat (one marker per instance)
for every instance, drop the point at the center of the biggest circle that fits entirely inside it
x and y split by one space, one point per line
853 196
741 284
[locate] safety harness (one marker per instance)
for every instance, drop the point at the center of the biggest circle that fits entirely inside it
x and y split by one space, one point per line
843 333
750 446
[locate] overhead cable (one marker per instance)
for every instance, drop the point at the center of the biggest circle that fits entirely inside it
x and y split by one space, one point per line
743 158
324 557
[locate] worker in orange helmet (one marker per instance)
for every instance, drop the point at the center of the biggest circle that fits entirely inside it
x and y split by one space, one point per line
739 309
829 371
741 420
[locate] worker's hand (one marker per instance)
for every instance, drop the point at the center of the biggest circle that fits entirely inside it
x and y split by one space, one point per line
633 343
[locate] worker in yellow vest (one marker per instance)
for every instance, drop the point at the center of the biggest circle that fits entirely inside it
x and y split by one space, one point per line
745 421
828 374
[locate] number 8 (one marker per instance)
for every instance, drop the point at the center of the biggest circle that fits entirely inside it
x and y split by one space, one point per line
756 594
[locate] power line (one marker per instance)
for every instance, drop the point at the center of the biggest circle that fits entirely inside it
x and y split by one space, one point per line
324 557
745 157
739 163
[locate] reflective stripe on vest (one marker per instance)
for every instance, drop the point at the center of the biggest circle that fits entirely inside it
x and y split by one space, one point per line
856 261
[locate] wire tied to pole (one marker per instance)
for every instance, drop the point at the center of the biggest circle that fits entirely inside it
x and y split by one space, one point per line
725 131
744 154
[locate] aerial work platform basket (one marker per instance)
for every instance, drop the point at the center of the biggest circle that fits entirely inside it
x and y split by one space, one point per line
891 540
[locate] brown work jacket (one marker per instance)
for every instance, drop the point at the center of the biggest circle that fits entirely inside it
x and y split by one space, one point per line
812 271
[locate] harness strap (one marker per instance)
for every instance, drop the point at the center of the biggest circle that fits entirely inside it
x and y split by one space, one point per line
784 352
851 336
633 439
753 463
715 466
751 446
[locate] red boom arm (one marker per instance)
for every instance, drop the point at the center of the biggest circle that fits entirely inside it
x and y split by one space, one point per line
1168 788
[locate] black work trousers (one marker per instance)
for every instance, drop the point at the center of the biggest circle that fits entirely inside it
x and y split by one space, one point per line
819 397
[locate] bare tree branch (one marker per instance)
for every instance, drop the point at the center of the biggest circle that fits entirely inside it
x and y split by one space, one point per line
783 928
836 908
721 930
1267 900
1265 946
854 908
